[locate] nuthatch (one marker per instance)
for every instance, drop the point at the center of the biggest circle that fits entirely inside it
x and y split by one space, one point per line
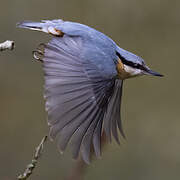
84 72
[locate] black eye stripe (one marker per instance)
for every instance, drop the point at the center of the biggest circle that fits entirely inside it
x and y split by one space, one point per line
129 63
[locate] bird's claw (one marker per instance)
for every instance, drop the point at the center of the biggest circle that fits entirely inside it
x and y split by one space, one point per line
38 54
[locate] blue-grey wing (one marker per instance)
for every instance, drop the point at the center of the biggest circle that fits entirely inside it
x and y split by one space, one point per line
80 94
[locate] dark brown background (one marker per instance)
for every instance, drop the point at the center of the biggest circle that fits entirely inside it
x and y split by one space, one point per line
150 104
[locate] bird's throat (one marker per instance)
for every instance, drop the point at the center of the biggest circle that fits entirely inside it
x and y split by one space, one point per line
122 73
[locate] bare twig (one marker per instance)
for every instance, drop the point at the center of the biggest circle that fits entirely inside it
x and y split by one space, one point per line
7 45
32 165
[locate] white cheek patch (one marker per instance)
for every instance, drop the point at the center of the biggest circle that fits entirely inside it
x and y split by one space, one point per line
132 71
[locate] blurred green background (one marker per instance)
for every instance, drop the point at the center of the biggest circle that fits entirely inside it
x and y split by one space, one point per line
150 108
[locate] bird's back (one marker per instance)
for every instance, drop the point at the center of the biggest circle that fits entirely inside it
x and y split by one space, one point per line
97 48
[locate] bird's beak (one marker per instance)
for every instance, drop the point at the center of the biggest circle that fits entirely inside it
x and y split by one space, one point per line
148 71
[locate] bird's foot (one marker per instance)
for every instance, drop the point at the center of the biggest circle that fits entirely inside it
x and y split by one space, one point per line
38 54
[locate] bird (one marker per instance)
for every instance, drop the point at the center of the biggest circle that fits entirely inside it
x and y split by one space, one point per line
84 71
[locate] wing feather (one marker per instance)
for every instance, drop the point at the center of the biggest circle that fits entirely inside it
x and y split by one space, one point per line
79 97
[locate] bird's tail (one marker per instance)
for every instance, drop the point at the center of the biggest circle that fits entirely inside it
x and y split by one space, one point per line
31 25
44 26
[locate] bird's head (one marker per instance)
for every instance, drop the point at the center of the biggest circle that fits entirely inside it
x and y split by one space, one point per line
131 65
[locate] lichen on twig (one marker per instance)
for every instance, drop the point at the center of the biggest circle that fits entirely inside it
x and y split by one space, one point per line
7 45
29 169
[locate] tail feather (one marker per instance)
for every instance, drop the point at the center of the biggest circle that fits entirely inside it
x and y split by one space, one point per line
44 26
30 25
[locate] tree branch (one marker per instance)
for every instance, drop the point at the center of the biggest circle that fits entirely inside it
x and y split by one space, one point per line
32 165
7 45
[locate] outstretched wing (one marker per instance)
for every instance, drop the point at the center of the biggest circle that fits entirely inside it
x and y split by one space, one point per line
81 90
77 97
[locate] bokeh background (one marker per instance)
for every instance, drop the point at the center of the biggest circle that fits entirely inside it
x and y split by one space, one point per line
151 105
